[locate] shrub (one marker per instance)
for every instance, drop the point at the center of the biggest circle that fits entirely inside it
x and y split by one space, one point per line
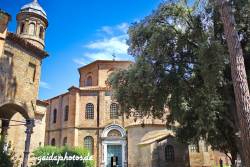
7 159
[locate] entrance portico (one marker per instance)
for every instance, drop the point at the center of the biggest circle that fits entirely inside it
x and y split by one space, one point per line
114 143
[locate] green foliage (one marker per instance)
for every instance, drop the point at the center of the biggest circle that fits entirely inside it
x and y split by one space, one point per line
62 151
182 62
7 159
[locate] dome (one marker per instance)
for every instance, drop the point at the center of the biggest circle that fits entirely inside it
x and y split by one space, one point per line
34 7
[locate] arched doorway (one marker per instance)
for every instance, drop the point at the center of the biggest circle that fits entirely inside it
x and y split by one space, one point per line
114 143
10 109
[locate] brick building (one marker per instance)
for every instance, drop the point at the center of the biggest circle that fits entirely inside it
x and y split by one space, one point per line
88 116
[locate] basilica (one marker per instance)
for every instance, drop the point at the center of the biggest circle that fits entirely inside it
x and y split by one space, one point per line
86 115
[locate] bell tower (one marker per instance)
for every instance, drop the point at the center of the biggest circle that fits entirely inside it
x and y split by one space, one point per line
32 24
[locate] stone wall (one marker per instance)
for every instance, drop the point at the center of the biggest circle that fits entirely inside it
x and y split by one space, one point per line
16 135
135 135
20 76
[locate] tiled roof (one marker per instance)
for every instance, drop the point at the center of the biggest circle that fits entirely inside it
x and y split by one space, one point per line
104 61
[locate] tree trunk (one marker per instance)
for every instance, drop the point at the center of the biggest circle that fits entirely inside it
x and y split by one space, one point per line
233 159
239 77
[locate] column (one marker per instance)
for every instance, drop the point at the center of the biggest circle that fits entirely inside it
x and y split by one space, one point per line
4 134
124 153
29 130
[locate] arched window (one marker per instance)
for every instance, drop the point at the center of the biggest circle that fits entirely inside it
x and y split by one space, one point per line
65 141
41 32
32 29
88 81
53 142
22 28
89 114
114 133
89 144
66 113
169 153
54 115
114 111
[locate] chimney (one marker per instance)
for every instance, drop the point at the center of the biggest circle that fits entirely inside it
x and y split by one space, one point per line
4 19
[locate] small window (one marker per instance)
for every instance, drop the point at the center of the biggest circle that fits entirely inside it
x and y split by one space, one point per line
53 142
32 29
65 141
54 115
32 72
41 33
9 57
89 111
22 28
89 144
66 113
7 62
169 153
114 111
88 81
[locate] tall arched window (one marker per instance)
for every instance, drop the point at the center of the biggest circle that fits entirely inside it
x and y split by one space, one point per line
88 81
41 32
65 141
53 142
32 29
114 111
54 115
89 114
66 113
169 153
89 144
22 28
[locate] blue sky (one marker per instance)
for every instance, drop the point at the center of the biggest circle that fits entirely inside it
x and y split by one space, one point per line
79 32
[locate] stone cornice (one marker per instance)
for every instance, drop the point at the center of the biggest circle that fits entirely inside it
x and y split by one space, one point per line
104 61
27 45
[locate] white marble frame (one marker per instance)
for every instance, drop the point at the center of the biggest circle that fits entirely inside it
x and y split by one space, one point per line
117 141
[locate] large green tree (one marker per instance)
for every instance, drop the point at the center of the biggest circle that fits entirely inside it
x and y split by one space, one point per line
182 62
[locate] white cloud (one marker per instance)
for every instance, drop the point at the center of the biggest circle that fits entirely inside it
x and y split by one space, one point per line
114 30
107 30
113 41
44 85
80 61
123 27
111 45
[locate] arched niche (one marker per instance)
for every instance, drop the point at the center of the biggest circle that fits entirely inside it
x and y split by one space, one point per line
114 128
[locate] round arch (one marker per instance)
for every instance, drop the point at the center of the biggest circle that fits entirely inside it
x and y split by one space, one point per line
8 109
114 127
